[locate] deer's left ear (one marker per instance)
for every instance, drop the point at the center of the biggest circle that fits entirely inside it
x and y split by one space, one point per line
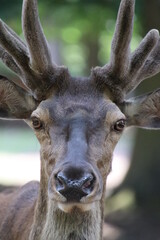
143 111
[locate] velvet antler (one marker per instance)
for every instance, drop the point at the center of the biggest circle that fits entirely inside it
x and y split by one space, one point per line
125 70
31 61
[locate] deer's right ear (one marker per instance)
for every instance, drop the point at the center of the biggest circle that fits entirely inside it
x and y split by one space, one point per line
143 111
15 102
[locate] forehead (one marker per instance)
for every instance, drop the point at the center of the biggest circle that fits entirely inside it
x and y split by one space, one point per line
82 96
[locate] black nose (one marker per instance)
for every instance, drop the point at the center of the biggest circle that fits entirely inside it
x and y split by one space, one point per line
74 184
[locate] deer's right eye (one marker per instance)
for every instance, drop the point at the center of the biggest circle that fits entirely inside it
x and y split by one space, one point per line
119 125
37 124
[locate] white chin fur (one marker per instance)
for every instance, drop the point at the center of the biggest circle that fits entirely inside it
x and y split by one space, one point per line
68 207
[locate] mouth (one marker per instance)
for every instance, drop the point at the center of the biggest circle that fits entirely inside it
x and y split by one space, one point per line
84 204
70 207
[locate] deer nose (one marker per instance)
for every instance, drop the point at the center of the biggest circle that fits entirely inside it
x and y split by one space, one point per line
74 186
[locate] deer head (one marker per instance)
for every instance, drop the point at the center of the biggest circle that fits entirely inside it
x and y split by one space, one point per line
78 121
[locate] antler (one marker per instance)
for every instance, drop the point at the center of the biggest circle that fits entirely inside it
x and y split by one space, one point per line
31 61
125 70
37 44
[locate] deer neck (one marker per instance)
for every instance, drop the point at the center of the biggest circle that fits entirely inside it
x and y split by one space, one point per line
53 224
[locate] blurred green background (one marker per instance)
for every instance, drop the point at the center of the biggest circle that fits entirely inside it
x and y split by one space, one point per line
80 33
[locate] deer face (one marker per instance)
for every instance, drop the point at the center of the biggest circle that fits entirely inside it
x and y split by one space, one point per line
78 121
78 128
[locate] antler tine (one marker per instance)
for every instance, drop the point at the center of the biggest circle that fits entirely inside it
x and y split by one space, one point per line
138 59
152 64
142 52
14 34
38 47
9 62
14 54
120 49
13 46
6 57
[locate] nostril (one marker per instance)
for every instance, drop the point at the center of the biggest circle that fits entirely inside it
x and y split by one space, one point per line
89 183
60 182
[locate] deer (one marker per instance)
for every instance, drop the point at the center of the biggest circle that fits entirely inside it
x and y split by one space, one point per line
78 122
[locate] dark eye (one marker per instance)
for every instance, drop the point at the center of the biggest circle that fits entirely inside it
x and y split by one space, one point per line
37 124
119 125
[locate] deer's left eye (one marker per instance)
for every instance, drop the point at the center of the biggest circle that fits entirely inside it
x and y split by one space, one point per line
37 124
120 125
